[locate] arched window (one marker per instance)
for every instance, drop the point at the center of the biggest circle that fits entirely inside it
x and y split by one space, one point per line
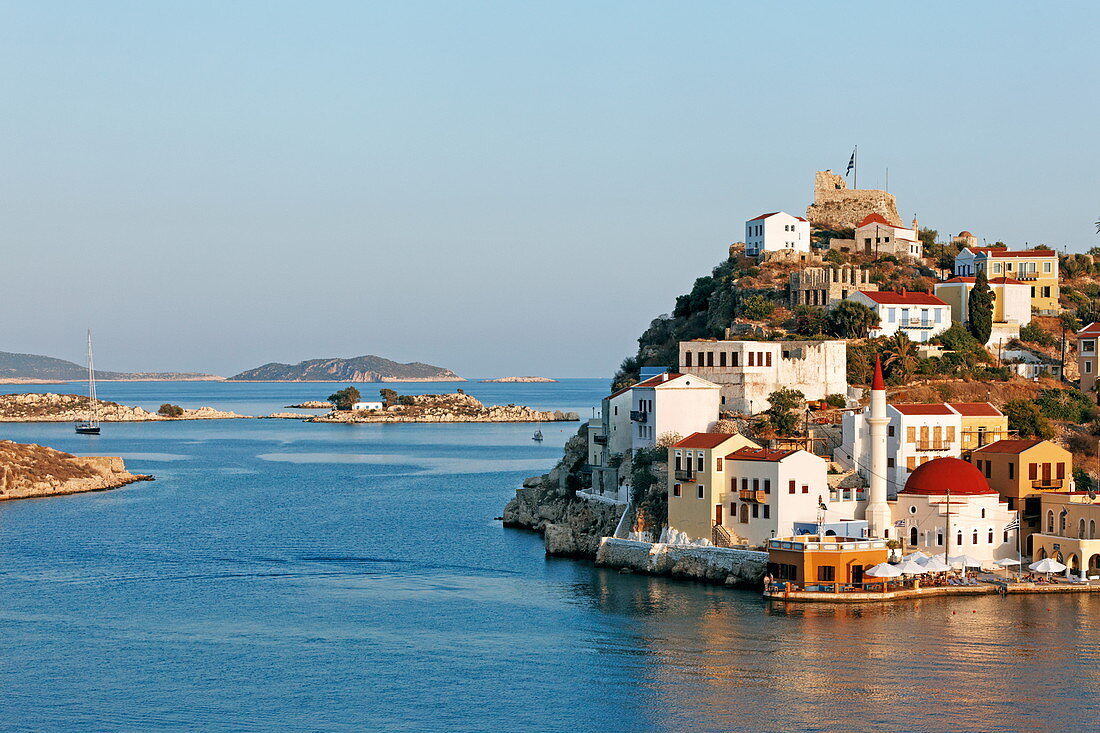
975 537
991 535
1050 521
913 538
983 513
1006 536
1042 553
939 537
959 538
1062 524
1081 529
1092 529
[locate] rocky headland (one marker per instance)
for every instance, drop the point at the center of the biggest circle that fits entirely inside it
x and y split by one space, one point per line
29 471
50 407
311 405
360 369
446 408
518 380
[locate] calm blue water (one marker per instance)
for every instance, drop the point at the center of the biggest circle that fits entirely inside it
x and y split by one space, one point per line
282 575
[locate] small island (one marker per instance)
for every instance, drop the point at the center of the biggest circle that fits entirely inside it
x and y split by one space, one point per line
442 408
50 407
518 380
311 405
28 471
367 368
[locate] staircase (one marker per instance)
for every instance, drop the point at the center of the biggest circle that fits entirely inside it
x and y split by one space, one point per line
721 537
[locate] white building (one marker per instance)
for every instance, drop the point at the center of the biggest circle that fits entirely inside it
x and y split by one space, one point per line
367 406
776 231
877 236
609 435
771 490
749 371
919 315
979 524
672 404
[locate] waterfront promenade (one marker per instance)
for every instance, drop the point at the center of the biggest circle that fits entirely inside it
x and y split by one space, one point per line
907 590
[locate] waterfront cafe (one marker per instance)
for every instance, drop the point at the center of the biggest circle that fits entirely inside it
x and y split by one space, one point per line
824 563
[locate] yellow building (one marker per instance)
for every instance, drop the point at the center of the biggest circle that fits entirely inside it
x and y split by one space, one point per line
697 482
1022 471
1070 521
982 424
1036 267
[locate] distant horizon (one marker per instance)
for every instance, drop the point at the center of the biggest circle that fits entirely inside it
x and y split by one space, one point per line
491 188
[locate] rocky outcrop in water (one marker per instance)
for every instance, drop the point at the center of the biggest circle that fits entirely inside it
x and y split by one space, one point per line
29 471
50 407
518 380
445 408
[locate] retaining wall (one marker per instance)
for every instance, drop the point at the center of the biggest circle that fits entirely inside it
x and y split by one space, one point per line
744 568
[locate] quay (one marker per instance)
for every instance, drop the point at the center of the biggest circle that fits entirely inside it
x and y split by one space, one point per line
867 593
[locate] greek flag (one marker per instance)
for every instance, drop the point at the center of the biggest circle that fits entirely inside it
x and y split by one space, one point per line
851 162
900 523
1014 524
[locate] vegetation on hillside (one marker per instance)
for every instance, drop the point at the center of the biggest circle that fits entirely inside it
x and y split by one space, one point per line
344 399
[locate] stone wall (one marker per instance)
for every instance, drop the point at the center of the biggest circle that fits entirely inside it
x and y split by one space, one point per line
742 568
837 207
827 286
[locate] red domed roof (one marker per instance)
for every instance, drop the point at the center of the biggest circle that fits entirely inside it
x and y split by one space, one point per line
937 476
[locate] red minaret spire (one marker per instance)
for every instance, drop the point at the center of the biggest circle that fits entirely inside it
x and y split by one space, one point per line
878 382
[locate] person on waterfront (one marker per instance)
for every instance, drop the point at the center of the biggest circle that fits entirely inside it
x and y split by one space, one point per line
767 581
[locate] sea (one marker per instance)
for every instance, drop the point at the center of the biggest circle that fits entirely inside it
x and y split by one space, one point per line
282 575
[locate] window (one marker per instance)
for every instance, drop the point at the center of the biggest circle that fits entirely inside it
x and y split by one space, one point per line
991 535
1050 521
755 511
1060 471
805 489
1046 267
826 573
768 358
983 513
1032 291
767 486
710 358
1032 471
911 434
890 462
1081 530
699 465
997 267
756 484
1011 470
959 538
1092 529
988 469
744 484
744 514
722 359
975 538
678 459
699 491
1046 291
767 511
687 358
912 509
718 464
676 490
890 431
752 358
939 537
790 487
736 359
1006 536
911 463
1088 367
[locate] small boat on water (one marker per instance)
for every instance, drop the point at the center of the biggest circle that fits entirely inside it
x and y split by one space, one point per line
90 426
537 437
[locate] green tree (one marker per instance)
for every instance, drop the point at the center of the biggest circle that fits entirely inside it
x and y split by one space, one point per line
851 320
168 410
781 413
810 320
389 397
928 237
1025 418
345 398
979 310
757 307
901 361
834 256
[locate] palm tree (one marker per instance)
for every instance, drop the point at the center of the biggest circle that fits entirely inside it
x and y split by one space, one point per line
900 358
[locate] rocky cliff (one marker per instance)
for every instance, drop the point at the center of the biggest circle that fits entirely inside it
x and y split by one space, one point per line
457 407
367 368
28 471
50 407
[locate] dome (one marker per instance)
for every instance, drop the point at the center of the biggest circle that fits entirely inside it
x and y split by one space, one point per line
965 233
938 475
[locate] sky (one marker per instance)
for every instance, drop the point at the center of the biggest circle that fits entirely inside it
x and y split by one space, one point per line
500 188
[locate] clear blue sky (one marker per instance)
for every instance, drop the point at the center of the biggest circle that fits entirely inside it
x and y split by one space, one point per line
499 188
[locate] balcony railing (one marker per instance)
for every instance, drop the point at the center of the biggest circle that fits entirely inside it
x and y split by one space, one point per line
1047 483
915 323
750 495
1027 276
933 445
639 416
684 474
599 439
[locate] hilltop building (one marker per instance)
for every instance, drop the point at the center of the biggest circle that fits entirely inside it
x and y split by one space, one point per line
1036 267
672 404
965 239
749 371
776 231
972 520
827 286
877 236
919 315
1088 356
837 207
1011 303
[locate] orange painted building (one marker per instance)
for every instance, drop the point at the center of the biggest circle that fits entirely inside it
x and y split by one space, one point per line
809 559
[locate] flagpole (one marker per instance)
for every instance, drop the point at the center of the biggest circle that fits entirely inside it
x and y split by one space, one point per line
855 167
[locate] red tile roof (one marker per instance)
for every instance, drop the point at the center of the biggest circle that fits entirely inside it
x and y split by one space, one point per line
994 281
889 297
923 409
877 219
1093 329
613 395
703 440
976 409
759 454
765 216
659 379
1009 446
997 252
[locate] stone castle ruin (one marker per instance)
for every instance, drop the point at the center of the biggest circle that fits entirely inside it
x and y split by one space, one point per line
837 207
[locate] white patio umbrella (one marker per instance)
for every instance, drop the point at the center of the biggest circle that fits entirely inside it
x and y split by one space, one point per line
915 556
883 570
966 561
910 567
1008 562
1046 565
935 565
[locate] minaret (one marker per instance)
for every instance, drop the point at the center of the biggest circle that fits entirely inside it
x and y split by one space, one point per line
878 511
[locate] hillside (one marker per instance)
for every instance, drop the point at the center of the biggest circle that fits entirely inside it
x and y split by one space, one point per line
367 368
35 367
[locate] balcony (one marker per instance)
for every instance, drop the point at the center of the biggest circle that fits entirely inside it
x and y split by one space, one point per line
749 495
915 323
1047 484
684 474
599 439
639 416
1027 276
929 445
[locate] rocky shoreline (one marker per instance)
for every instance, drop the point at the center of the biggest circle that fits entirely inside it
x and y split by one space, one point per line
29 471
446 408
51 407
518 380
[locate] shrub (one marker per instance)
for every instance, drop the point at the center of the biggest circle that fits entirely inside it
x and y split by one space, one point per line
345 398
168 410
1025 417
1065 404
1032 333
835 400
756 307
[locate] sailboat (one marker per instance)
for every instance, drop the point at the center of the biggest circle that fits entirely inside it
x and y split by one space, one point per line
538 434
91 425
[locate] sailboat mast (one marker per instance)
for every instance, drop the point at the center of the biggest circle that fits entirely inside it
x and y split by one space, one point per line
92 401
